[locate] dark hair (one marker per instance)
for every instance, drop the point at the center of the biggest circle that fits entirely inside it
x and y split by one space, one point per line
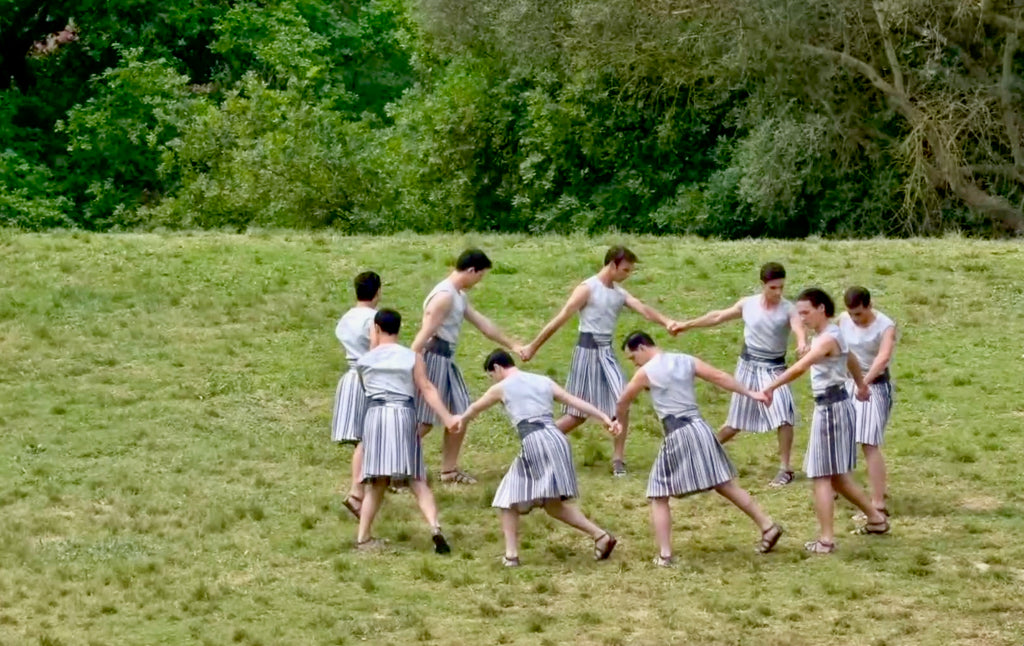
772 271
618 254
473 259
857 297
498 358
389 321
638 338
817 297
367 285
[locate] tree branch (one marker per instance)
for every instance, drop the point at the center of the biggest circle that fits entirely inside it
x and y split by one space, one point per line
890 51
999 20
899 97
1009 116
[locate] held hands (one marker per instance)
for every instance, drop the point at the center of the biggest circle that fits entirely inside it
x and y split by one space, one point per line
863 393
613 426
456 424
764 397
802 349
675 327
526 352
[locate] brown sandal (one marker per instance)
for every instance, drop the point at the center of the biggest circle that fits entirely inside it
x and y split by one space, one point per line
769 538
602 553
457 476
351 507
874 528
820 547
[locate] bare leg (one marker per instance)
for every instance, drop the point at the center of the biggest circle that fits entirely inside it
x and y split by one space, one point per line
661 519
846 487
425 499
450 447
566 423
785 446
371 504
823 503
510 527
356 490
876 474
573 517
739 497
726 433
619 445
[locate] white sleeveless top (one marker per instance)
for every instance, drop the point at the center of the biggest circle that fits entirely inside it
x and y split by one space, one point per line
671 377
865 342
386 372
452 323
527 395
766 332
601 312
830 371
353 330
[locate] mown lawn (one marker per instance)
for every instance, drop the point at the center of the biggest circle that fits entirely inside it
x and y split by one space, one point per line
167 475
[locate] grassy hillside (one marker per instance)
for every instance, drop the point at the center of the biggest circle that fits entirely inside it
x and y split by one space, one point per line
167 475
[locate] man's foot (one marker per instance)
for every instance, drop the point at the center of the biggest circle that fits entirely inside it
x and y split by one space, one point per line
769 538
440 544
603 546
457 476
881 527
862 517
353 504
510 561
782 478
664 561
619 468
820 547
371 545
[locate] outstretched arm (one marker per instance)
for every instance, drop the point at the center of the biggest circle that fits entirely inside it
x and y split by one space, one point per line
648 312
635 386
711 319
489 329
575 303
725 381
884 355
800 332
430 394
820 349
590 410
488 399
433 316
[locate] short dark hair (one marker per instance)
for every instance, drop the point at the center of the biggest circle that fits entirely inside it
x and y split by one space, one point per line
857 297
389 321
818 297
367 285
498 358
638 338
618 254
772 271
473 259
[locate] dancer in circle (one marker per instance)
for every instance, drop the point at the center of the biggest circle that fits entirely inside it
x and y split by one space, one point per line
392 377
353 331
444 309
831 450
595 375
543 475
768 319
871 336
691 458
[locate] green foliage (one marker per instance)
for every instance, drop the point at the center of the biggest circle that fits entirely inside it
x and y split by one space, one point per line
29 198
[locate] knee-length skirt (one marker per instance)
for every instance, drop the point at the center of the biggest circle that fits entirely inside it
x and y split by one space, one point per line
349 409
447 378
391 445
873 415
596 377
542 472
745 414
831 449
691 460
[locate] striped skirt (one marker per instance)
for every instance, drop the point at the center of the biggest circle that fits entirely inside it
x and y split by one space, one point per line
691 460
349 409
745 414
596 377
831 449
447 378
391 445
872 415
542 472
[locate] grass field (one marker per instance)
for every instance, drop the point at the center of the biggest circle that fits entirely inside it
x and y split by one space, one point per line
167 475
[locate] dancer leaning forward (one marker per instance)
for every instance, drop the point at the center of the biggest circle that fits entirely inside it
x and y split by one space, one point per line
543 475
831 450
392 377
691 458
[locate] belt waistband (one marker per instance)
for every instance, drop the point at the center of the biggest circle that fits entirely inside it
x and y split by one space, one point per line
832 395
528 426
883 378
673 423
439 346
593 341
774 361
401 402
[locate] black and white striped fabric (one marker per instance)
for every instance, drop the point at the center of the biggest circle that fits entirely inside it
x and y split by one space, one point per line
745 414
391 444
691 460
831 449
447 378
542 472
349 409
873 415
595 376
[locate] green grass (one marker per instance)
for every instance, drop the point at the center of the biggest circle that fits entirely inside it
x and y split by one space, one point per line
167 475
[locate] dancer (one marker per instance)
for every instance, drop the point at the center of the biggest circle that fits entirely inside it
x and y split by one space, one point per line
831 450
542 475
595 375
392 376
443 312
767 321
871 336
353 331
691 458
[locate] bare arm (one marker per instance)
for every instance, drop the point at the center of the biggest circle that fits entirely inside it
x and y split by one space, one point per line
712 319
648 312
724 380
883 357
575 402
820 349
433 316
576 301
636 385
429 392
489 329
488 399
800 332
